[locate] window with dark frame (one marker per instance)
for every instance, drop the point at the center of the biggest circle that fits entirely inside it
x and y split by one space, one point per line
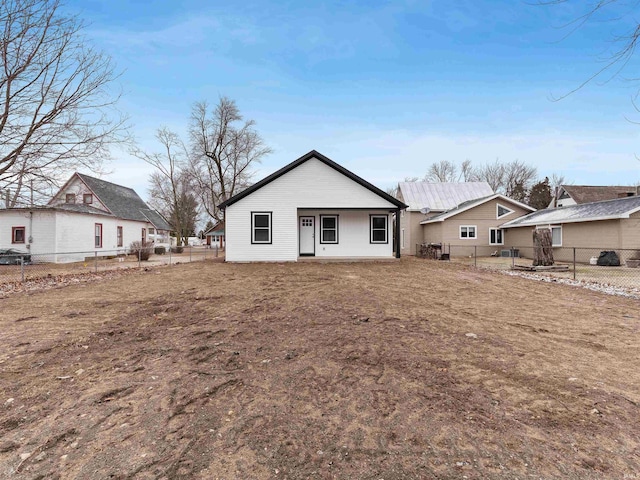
70 198
87 198
98 235
18 234
378 224
119 236
328 228
260 227
496 236
468 231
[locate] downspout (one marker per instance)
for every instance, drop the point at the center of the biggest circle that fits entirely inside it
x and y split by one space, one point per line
397 233
30 240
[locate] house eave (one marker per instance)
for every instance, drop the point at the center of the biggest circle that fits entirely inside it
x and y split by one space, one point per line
327 161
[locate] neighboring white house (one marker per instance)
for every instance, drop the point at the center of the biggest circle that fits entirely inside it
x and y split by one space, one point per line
311 207
88 216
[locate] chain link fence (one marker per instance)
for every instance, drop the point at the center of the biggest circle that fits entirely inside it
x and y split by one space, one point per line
21 267
608 266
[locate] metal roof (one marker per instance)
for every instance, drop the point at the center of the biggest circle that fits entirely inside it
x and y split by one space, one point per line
442 196
585 212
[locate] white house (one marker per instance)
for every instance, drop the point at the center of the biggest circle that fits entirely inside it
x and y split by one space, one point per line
311 207
87 216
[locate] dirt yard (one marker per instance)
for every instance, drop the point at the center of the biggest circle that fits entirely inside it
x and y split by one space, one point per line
405 370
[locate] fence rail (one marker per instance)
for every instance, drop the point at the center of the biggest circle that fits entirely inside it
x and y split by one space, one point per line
20 267
611 266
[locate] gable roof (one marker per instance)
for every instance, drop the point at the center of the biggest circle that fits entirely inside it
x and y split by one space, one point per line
585 212
463 207
598 193
442 196
122 202
217 229
300 161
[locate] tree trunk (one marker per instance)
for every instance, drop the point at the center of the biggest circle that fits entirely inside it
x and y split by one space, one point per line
542 250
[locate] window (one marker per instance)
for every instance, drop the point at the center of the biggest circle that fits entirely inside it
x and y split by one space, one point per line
87 198
496 236
70 198
468 231
502 211
556 236
378 225
151 231
119 235
328 228
18 234
260 227
98 235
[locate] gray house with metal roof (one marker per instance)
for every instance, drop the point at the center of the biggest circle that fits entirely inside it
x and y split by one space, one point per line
87 216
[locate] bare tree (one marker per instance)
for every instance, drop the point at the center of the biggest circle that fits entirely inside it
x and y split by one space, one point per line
223 152
171 186
518 180
57 111
624 35
492 173
442 171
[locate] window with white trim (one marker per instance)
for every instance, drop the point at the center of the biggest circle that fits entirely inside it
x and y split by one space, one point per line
468 232
378 225
496 236
328 228
502 211
98 235
260 227
556 236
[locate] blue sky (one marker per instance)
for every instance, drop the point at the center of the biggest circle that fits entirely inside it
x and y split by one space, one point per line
383 88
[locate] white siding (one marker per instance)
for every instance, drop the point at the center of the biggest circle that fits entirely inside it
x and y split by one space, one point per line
77 188
75 233
353 234
311 185
40 228
70 235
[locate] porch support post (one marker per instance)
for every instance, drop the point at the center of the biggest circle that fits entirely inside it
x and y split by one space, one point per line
397 233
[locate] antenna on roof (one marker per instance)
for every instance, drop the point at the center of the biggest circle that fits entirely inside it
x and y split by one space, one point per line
425 210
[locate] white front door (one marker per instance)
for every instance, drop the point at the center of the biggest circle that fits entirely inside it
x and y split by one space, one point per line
307 236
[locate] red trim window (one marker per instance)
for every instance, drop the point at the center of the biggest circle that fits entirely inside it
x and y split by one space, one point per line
18 234
119 234
70 198
87 198
98 235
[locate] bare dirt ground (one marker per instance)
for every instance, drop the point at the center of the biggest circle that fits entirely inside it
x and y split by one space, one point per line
404 370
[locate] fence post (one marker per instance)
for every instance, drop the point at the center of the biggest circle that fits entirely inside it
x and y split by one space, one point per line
475 255
190 250
574 263
95 261
139 255
513 257
216 250
22 268
170 253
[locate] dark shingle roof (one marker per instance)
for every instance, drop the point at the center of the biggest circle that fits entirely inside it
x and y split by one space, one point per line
609 209
124 202
598 193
